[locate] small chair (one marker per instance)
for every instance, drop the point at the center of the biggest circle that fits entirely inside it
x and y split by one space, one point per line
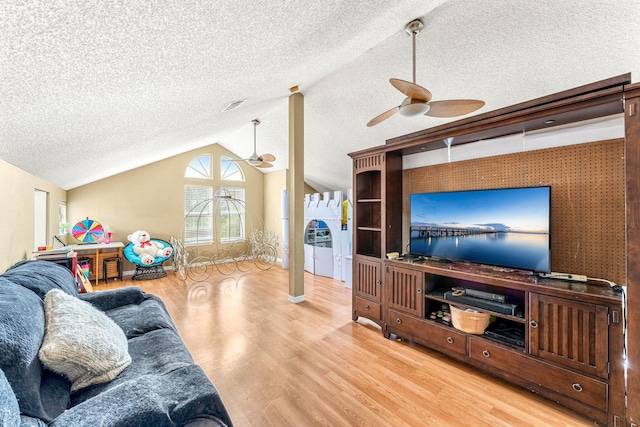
147 271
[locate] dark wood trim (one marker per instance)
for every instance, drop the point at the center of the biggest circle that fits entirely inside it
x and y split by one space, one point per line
632 157
530 115
595 100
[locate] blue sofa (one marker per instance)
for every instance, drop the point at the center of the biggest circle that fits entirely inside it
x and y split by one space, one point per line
162 386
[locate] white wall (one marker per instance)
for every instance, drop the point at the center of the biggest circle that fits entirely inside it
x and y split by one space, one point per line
577 133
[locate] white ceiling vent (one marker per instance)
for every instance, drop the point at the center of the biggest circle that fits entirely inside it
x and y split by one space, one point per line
234 105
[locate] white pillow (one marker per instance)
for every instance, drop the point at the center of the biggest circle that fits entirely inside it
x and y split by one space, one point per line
81 342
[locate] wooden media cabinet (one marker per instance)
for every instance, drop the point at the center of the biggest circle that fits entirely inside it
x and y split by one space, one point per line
569 344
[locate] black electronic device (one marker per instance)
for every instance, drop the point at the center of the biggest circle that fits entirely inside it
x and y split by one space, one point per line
508 227
505 334
498 307
485 295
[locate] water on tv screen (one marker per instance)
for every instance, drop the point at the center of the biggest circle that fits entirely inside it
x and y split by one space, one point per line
504 227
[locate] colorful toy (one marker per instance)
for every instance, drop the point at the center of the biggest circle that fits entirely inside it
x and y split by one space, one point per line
148 249
88 231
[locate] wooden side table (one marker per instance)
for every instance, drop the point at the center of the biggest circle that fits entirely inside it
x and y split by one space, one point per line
97 254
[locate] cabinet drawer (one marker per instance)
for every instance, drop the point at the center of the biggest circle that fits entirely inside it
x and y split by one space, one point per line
571 384
368 308
430 333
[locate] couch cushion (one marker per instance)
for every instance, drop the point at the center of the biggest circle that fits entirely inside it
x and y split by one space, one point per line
9 410
41 277
40 394
165 399
81 342
138 319
114 298
31 422
154 353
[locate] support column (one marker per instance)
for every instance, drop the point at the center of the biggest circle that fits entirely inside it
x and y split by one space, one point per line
295 184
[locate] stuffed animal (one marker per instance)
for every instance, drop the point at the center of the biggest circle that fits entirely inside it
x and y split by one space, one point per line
146 249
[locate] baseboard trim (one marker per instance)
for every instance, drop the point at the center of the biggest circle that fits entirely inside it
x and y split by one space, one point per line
297 299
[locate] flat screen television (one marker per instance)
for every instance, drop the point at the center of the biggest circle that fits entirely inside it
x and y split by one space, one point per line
503 227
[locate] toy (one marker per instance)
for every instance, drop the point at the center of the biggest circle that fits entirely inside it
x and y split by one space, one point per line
147 249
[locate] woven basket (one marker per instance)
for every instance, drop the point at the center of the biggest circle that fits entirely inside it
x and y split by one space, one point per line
469 321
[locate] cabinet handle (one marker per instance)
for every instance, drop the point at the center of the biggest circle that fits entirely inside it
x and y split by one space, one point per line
486 353
366 307
419 290
533 324
450 340
378 282
577 387
398 320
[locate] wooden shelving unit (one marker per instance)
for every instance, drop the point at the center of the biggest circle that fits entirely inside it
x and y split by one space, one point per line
572 346
97 253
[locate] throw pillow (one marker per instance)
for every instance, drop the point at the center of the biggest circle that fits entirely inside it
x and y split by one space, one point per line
81 342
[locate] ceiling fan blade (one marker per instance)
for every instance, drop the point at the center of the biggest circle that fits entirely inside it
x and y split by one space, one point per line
264 165
267 158
453 107
383 116
411 90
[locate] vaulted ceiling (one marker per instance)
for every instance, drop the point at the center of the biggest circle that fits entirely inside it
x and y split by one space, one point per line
92 88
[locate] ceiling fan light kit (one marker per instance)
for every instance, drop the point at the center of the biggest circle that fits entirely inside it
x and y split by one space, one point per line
418 99
413 107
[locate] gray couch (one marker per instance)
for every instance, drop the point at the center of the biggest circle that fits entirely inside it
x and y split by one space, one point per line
162 386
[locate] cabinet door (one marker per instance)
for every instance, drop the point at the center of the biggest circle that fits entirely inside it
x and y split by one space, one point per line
406 290
570 333
367 279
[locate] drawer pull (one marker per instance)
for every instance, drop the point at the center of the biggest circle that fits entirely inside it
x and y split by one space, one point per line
533 324
450 340
419 290
366 307
486 353
577 387
398 320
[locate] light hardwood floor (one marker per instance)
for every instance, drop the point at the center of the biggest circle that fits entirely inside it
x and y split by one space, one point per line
281 364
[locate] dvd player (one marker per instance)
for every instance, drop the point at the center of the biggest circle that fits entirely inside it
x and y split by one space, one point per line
498 307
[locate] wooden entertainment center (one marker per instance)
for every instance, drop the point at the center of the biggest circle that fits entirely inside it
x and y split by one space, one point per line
572 333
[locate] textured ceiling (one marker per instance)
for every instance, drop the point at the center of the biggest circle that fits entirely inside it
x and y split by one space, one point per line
92 88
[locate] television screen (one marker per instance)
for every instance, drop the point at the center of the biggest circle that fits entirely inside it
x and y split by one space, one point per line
505 227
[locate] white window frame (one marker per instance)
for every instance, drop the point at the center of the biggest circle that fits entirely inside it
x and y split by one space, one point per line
235 207
198 233
227 163
197 168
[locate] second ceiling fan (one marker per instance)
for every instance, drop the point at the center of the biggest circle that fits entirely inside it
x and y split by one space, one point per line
418 99
263 160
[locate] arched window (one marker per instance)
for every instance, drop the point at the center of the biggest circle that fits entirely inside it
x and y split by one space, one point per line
199 167
205 224
229 170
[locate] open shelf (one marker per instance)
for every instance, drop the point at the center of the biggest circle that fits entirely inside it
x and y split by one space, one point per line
438 295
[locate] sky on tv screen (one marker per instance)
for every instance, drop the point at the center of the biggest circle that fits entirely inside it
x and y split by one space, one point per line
516 210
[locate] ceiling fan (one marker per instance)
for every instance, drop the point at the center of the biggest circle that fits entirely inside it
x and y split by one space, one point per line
263 160
418 99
